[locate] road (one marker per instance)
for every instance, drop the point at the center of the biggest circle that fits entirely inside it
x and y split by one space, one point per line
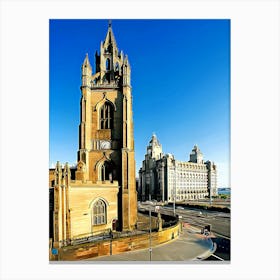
189 247
219 221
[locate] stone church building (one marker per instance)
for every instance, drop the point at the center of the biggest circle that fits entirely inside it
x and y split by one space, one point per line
100 193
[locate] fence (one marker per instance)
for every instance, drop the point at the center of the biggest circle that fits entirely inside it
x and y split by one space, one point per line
104 235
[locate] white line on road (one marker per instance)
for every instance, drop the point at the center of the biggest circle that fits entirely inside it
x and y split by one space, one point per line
218 257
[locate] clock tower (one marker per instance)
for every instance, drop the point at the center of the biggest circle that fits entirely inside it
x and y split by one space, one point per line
106 141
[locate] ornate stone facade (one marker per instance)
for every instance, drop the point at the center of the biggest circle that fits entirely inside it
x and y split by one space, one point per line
166 178
101 194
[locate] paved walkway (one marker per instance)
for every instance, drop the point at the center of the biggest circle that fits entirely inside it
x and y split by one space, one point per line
190 246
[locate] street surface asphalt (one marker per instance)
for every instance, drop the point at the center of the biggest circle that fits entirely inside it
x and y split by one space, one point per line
190 246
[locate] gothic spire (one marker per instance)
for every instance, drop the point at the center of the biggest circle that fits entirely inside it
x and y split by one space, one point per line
86 60
110 38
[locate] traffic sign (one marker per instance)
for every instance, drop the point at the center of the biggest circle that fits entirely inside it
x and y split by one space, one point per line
54 251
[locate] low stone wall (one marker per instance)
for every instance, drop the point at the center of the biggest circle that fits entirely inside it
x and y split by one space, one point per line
117 246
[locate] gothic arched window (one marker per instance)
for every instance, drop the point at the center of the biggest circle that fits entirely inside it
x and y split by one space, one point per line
106 116
107 64
107 171
99 212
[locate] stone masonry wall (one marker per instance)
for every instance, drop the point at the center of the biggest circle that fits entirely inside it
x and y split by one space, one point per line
117 246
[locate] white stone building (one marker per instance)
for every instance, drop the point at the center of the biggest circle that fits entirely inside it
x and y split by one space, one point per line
166 178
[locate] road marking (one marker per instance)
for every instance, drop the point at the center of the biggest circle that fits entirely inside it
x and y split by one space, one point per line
218 257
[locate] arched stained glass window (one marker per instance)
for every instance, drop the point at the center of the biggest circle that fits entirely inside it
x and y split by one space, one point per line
99 212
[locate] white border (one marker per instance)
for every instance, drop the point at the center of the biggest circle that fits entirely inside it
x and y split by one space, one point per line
254 137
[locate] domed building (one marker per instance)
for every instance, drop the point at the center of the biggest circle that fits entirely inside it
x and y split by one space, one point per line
167 179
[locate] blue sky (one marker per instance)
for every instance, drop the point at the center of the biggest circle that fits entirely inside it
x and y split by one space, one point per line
180 85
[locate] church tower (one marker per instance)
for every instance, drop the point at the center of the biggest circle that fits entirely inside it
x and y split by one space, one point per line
106 138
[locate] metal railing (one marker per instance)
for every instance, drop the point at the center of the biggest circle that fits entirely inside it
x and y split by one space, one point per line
168 221
110 85
104 235
107 235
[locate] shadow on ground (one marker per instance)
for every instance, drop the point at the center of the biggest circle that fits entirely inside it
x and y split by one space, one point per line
223 249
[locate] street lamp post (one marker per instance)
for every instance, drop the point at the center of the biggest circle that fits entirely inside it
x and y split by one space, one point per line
150 237
174 190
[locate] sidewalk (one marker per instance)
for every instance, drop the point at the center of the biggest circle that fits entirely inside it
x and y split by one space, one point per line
190 246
